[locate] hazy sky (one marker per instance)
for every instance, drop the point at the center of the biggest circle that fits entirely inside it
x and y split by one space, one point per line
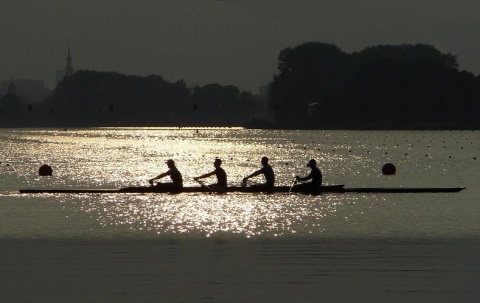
228 42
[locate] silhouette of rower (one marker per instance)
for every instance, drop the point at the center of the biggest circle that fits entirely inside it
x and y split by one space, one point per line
175 175
267 172
315 175
219 172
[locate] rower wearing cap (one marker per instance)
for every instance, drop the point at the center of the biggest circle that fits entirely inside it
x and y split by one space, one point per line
267 172
315 175
175 175
219 173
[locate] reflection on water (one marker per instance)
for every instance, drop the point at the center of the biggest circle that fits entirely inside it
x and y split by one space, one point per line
113 158
209 214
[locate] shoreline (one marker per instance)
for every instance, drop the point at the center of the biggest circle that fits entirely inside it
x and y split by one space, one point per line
248 127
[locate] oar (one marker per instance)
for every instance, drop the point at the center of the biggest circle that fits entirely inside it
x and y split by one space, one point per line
293 183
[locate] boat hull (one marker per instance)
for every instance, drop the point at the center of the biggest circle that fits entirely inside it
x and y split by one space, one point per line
239 189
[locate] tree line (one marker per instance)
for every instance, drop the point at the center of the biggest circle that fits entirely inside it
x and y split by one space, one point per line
381 87
317 86
93 98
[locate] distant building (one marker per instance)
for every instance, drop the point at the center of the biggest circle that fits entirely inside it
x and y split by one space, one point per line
29 91
68 70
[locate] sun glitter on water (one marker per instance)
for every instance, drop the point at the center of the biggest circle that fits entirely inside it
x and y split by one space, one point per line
213 214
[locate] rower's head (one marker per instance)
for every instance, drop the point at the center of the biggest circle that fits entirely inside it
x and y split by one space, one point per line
264 161
217 162
312 163
170 163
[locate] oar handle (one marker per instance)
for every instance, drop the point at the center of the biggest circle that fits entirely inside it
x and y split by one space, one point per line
202 184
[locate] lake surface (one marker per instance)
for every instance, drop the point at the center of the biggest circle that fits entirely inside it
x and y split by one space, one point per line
422 242
114 158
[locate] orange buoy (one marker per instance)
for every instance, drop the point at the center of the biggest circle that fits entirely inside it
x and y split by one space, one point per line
45 170
389 169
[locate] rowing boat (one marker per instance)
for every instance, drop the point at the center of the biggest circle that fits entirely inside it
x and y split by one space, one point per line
242 189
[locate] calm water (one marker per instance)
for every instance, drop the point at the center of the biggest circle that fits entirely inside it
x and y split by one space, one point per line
238 247
119 157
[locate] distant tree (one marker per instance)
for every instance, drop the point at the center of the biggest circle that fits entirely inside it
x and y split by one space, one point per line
11 104
108 97
310 72
404 53
407 86
385 86
220 105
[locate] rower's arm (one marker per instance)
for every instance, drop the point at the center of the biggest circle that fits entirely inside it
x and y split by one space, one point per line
160 176
205 175
305 178
258 172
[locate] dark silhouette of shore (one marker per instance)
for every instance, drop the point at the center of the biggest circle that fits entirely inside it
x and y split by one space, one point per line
318 86
381 87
